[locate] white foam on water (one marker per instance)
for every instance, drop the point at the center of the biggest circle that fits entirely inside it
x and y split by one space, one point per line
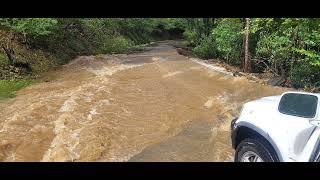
92 112
172 74
212 67
69 105
158 59
109 71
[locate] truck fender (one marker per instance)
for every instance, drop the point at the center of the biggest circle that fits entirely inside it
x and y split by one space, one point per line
257 130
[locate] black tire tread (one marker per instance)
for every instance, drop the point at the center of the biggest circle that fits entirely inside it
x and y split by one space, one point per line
257 145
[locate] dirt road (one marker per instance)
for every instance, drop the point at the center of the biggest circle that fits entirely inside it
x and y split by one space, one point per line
150 106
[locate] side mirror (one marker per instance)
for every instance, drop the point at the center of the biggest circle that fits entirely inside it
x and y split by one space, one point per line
298 104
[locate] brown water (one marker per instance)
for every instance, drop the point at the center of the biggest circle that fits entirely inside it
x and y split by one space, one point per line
151 106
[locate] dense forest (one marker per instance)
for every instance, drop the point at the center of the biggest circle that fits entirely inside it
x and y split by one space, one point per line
286 47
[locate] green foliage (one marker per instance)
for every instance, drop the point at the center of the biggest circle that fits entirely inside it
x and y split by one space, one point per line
196 29
274 47
228 37
30 26
305 75
192 37
170 23
265 25
116 45
8 88
137 29
168 28
310 56
206 49
224 41
291 42
290 46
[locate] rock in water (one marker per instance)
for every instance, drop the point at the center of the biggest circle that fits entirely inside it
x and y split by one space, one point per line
183 52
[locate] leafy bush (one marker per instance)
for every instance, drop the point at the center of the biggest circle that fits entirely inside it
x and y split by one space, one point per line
8 88
30 26
306 72
197 29
277 50
228 38
137 29
116 45
305 75
168 28
191 37
274 46
292 44
206 49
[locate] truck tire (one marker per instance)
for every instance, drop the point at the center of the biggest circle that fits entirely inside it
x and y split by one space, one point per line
254 150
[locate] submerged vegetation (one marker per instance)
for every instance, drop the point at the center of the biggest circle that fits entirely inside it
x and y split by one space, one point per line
8 88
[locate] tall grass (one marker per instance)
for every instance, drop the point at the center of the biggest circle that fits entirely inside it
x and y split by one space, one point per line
8 88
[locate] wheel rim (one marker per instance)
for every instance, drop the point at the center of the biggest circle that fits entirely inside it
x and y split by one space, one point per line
251 156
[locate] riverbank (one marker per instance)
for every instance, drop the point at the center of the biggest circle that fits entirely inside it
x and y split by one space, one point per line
265 78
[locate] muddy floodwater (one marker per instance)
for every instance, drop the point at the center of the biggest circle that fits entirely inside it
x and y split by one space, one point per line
151 106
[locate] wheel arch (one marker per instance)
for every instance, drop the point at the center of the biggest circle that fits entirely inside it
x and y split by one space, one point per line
245 130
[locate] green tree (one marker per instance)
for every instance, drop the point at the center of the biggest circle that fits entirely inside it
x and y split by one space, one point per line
291 45
198 29
229 39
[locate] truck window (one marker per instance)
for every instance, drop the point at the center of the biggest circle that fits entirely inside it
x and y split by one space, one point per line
301 105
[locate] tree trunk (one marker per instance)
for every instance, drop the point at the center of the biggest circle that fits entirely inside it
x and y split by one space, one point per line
10 54
247 61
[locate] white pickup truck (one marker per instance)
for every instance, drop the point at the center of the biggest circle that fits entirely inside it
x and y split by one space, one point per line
282 128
